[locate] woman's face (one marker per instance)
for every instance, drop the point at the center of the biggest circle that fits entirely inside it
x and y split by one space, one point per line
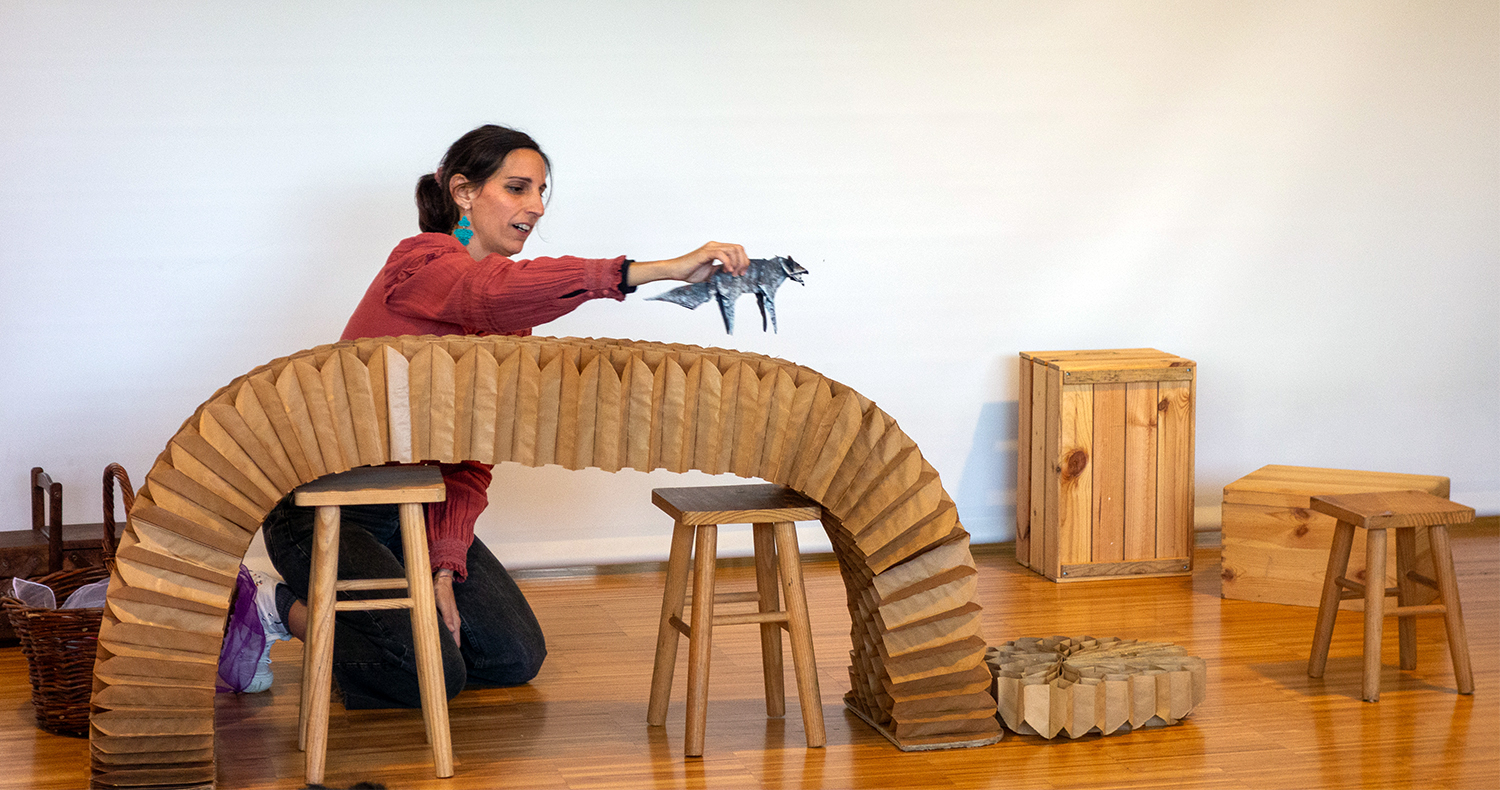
506 208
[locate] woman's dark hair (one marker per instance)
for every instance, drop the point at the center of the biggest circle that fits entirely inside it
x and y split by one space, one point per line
476 156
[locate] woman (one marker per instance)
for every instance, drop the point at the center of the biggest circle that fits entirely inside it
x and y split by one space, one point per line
456 277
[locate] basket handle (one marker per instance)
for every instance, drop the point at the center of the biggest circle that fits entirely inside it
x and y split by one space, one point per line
112 473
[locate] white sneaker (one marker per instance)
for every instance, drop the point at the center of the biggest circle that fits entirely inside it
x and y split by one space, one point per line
265 604
275 630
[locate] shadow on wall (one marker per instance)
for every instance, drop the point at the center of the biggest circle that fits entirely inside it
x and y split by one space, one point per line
986 494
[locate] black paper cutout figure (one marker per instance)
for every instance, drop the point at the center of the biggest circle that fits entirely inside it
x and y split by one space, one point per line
763 277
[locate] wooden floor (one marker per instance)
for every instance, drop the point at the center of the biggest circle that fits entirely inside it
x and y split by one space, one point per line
581 724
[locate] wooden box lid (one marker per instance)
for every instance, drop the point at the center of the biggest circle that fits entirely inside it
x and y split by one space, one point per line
1114 365
1295 486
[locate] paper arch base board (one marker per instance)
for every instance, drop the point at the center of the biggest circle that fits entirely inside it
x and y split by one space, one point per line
917 670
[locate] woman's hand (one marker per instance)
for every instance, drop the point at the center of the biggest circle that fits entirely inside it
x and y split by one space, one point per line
442 589
694 267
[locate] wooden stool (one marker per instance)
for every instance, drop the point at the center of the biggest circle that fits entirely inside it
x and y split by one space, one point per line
409 487
772 510
1402 511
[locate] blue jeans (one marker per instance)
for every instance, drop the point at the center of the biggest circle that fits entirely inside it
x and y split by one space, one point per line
374 659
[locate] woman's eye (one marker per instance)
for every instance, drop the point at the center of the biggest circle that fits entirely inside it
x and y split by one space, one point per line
516 189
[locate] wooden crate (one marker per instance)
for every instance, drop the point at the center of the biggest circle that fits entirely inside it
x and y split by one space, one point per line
1104 472
1276 549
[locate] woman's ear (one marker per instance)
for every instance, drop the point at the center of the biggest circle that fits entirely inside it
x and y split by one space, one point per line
462 190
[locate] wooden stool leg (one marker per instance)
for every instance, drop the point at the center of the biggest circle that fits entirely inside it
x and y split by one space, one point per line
679 565
317 678
1406 594
1453 617
700 642
1328 606
424 628
1374 610
314 582
799 628
770 633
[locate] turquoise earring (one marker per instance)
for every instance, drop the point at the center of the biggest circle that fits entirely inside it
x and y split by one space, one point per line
464 231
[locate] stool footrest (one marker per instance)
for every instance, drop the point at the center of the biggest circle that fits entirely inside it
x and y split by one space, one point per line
749 596
1413 611
748 618
1358 589
751 618
1425 581
370 584
372 604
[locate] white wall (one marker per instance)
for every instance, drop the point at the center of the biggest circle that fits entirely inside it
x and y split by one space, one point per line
1303 196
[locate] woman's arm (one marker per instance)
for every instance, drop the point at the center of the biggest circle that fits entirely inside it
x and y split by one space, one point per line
450 530
430 277
694 267
431 280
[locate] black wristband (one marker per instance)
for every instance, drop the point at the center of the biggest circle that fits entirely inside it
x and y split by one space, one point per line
625 287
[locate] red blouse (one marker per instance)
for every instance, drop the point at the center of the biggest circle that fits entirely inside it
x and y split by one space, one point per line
432 286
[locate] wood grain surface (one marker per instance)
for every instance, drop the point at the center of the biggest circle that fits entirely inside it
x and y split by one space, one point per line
580 723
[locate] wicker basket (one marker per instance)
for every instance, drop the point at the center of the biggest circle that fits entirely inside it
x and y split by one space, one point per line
59 644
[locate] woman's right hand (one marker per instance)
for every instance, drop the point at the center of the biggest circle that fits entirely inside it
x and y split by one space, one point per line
447 606
694 267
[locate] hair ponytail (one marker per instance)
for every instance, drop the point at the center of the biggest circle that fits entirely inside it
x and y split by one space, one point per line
475 156
436 211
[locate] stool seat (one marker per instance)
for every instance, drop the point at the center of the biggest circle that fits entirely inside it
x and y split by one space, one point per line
375 485
773 511
1393 509
1404 512
746 504
409 487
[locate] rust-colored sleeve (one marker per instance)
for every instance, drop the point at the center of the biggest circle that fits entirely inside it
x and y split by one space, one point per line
436 280
450 524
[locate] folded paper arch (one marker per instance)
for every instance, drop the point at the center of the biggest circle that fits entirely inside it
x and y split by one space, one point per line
917 658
